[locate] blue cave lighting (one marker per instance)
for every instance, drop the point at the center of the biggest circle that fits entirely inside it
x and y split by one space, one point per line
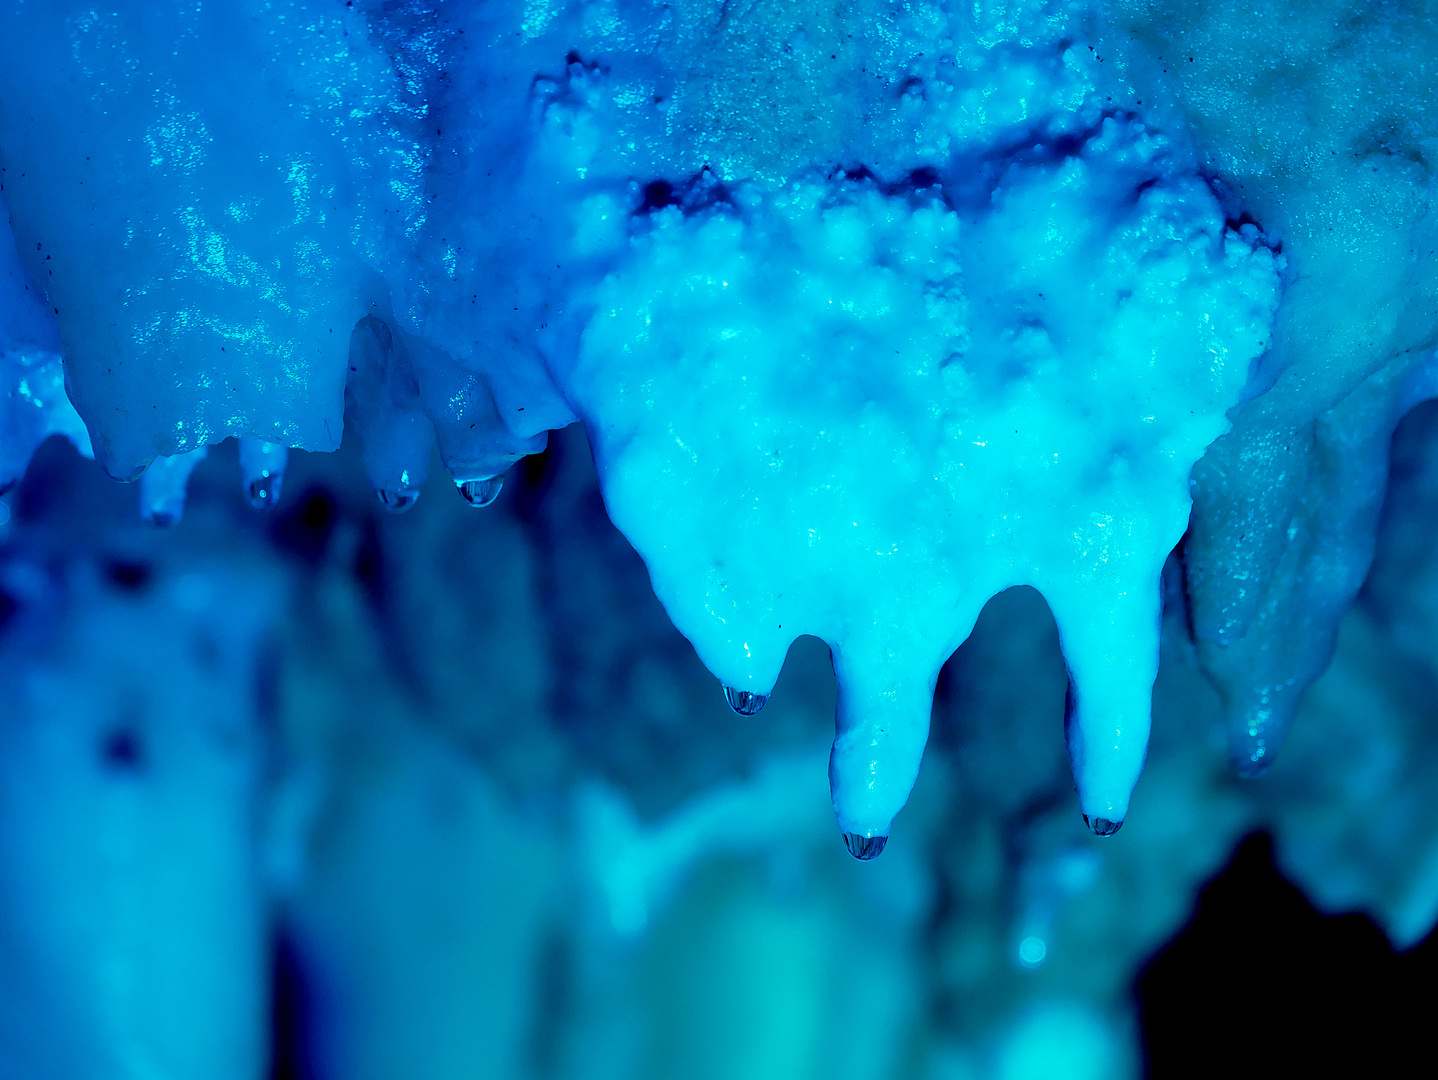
595 539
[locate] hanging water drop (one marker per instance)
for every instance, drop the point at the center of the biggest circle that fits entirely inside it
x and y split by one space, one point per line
262 469
864 848
881 724
382 407
480 493
745 702
397 502
1032 951
263 491
1257 725
1102 826
162 488
1111 652
1249 752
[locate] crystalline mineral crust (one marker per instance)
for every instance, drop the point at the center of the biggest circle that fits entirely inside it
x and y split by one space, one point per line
881 410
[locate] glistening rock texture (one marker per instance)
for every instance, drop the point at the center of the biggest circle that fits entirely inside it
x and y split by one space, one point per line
871 312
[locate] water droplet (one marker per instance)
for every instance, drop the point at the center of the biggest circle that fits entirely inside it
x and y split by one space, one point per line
1248 744
129 476
864 848
397 502
162 488
480 492
262 464
1032 951
1102 826
744 702
264 491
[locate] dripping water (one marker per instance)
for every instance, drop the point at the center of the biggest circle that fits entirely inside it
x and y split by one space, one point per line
397 502
480 493
1102 826
262 467
864 848
744 702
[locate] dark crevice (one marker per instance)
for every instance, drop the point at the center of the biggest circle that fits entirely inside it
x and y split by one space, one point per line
303 528
290 1015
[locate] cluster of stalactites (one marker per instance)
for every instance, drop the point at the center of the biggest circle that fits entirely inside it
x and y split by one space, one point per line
264 271
453 234
385 410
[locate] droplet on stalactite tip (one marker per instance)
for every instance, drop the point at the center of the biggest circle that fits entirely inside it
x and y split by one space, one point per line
1102 826
262 465
396 502
263 492
745 702
1251 768
1251 753
864 848
480 493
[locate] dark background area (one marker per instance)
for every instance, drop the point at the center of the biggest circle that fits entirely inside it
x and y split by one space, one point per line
1261 984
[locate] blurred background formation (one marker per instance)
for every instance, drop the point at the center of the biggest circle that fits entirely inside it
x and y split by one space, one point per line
329 793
